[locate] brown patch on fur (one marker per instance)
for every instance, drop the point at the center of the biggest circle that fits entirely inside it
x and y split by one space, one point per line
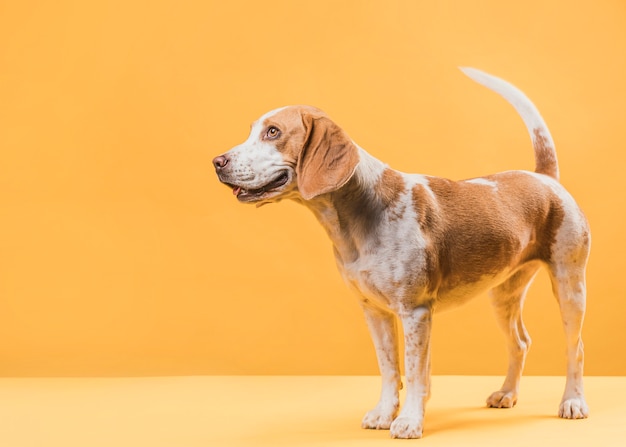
388 190
544 235
389 187
478 230
428 221
475 234
425 207
328 158
536 208
293 132
545 156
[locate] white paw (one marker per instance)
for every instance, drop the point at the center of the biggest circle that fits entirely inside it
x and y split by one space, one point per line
502 399
379 419
407 428
574 408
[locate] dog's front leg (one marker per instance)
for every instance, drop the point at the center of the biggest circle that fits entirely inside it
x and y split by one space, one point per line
417 327
384 332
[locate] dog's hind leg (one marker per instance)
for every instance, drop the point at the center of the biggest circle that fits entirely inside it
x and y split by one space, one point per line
508 301
569 287
567 265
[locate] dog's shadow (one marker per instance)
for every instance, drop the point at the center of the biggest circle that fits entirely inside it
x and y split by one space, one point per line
439 422
449 419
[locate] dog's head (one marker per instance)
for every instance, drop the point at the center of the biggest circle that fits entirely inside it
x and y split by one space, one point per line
292 152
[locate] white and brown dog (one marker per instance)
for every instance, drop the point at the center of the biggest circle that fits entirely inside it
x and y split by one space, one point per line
411 244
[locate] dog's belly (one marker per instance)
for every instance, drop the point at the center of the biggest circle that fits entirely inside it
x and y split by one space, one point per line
448 297
391 285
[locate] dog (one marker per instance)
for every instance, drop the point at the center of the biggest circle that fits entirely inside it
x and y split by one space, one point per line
411 244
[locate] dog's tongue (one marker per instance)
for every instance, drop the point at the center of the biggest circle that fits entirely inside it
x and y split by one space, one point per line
236 190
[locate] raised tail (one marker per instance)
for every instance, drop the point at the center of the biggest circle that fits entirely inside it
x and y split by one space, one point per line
545 154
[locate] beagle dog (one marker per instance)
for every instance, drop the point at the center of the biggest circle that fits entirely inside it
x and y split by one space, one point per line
411 244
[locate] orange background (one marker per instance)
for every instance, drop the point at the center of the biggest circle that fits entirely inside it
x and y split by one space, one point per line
121 254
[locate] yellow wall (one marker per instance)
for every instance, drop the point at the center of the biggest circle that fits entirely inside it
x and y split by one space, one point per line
121 254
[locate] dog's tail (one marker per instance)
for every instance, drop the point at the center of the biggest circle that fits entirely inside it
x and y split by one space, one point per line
545 154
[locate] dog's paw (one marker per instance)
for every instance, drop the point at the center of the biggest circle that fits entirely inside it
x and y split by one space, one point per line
502 399
574 408
407 428
378 419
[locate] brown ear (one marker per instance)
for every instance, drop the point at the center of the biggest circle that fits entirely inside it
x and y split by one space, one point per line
328 158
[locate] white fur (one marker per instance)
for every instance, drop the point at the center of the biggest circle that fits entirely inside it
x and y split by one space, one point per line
524 106
484 182
256 161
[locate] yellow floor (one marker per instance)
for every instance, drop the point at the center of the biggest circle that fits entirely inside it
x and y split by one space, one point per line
292 411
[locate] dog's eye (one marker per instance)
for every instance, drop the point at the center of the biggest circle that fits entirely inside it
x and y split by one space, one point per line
272 133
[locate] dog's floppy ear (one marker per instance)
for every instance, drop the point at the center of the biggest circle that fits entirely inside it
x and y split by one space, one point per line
328 158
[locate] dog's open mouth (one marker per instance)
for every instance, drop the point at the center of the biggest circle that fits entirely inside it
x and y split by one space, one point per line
251 195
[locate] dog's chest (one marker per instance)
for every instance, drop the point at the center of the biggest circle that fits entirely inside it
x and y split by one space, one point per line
387 274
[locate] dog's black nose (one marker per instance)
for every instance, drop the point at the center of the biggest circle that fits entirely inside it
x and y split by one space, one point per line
220 162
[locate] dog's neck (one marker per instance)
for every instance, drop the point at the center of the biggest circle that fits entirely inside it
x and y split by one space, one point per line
352 214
